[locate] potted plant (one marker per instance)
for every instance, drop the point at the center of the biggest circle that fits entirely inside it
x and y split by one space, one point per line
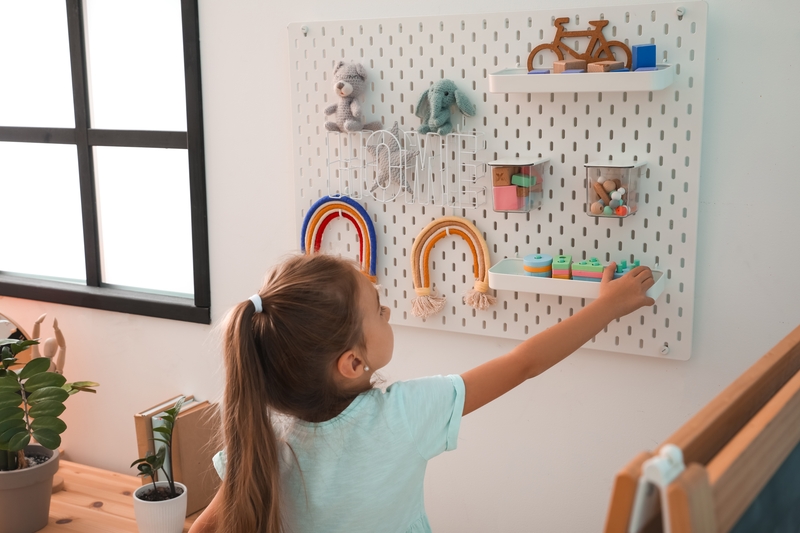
160 507
31 401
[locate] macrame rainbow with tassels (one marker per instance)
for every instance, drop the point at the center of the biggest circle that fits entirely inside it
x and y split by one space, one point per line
426 304
327 209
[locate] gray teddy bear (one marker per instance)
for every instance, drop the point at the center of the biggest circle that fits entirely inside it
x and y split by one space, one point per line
349 83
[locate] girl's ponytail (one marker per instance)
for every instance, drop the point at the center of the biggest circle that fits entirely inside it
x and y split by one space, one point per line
281 360
250 489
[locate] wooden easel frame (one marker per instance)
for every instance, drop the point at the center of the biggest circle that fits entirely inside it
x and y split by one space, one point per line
732 447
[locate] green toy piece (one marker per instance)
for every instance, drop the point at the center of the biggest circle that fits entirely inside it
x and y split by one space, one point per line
521 180
562 262
592 265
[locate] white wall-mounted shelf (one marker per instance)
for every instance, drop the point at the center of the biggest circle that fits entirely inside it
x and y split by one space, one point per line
517 80
509 275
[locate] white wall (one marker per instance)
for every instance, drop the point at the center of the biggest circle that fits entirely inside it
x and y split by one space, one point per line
544 456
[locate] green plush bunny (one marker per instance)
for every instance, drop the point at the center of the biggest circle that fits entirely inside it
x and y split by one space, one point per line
434 107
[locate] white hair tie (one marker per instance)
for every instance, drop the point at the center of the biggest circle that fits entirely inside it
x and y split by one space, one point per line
256 299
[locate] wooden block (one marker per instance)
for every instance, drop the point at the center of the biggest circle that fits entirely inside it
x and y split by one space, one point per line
569 64
605 66
643 56
522 192
501 176
601 192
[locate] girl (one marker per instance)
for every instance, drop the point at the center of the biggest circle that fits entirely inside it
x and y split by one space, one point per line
348 457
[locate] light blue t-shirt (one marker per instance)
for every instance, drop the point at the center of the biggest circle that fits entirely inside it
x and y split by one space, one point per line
363 471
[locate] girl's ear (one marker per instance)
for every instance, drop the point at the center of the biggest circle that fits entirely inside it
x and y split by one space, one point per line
350 365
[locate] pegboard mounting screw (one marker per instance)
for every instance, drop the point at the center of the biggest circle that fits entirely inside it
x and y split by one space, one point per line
665 349
304 29
681 11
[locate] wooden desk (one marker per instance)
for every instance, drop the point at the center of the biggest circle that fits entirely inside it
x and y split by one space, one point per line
95 501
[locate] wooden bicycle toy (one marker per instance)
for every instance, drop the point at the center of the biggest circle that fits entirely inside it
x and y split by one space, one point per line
598 49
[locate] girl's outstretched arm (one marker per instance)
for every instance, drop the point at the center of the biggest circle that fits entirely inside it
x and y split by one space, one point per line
207 521
535 355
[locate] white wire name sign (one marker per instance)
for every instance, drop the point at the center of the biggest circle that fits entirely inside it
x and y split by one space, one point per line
425 169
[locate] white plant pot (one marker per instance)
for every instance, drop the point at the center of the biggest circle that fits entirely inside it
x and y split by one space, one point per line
160 517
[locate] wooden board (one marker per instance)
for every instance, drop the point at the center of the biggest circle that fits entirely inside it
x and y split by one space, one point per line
745 465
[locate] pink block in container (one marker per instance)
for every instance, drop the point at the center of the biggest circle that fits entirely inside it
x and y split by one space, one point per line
505 198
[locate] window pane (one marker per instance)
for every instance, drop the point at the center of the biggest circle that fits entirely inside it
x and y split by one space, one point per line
135 62
36 88
145 218
41 201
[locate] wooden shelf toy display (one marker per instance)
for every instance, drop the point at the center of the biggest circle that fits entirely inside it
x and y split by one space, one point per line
510 275
612 188
517 184
517 80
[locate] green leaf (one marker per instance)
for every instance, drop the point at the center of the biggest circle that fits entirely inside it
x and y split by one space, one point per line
34 367
163 431
19 441
8 361
84 384
162 440
6 354
145 470
45 379
6 436
158 460
138 461
47 438
8 424
21 346
10 399
48 393
47 408
9 383
49 423
11 413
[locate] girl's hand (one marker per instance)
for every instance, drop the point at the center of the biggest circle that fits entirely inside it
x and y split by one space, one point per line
628 293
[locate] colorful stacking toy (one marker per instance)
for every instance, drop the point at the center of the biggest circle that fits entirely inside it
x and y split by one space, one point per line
562 267
623 268
538 265
588 270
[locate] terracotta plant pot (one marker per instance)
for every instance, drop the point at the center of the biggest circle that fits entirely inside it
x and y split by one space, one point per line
25 494
160 517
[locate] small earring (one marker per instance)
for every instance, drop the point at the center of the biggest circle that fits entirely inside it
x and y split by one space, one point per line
366 368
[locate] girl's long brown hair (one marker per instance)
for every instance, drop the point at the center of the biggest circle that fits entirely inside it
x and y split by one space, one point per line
281 360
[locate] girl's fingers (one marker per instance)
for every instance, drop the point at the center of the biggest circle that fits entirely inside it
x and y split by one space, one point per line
608 272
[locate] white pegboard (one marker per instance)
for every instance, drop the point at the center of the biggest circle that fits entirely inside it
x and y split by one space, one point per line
404 56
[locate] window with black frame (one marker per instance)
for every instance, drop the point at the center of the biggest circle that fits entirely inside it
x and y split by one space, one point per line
102 176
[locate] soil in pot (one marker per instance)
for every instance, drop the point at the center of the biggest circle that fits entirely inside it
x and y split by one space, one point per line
159 494
35 459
